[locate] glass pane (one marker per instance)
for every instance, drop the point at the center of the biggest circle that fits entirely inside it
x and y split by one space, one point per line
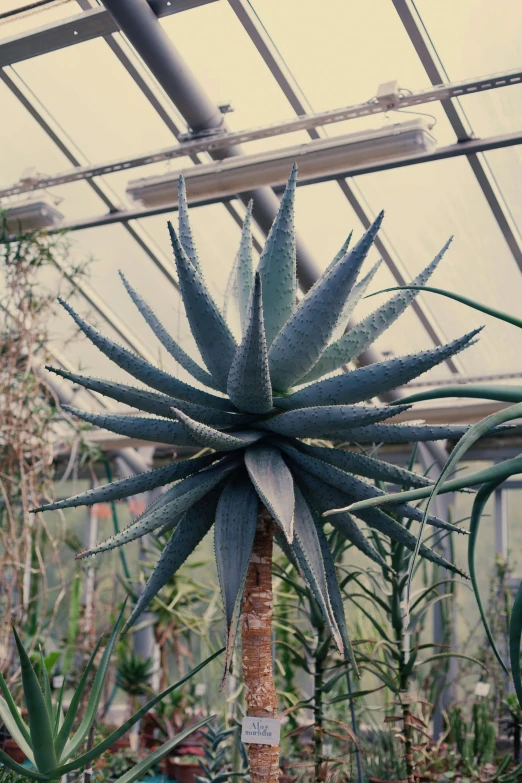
425 205
91 95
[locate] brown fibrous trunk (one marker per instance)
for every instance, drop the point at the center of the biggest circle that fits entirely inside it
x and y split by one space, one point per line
256 642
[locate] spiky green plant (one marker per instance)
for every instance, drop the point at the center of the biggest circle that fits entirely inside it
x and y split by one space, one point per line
50 739
264 397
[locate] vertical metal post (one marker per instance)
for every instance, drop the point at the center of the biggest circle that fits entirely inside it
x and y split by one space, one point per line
432 458
89 586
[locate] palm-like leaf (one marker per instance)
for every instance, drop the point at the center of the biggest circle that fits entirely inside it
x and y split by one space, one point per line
260 420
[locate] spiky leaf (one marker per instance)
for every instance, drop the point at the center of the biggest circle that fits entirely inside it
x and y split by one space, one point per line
365 333
212 335
143 370
369 467
374 379
274 484
307 549
133 485
141 427
192 528
166 339
307 332
249 385
245 269
214 439
173 503
184 229
328 420
277 265
234 532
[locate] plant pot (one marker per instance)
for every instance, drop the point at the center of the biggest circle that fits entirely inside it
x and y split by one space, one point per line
147 738
120 744
182 773
11 748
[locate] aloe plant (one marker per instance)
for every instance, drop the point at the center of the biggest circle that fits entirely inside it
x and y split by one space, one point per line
49 740
262 398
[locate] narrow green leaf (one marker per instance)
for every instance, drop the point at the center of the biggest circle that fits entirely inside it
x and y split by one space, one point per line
72 711
138 772
515 632
97 751
13 710
473 434
497 472
39 720
23 772
94 696
479 504
249 385
11 724
481 391
499 314
46 687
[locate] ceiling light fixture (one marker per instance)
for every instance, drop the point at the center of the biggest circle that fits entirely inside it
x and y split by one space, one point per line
320 157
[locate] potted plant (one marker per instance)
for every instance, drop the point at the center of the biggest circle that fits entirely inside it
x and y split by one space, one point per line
51 740
183 769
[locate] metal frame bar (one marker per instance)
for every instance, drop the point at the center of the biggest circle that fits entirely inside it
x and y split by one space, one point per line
413 25
443 153
287 83
94 23
85 290
224 140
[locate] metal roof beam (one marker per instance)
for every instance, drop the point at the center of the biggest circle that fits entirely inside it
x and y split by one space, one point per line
91 24
222 141
413 24
85 291
262 174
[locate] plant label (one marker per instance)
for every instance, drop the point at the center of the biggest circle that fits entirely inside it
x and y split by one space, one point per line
261 731
482 689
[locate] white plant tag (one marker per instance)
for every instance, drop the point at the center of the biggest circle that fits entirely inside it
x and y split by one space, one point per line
261 731
482 689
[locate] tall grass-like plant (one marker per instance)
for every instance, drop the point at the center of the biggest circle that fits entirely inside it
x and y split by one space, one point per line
261 399
53 738
488 479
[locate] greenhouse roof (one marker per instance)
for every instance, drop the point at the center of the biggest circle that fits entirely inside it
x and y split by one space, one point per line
76 95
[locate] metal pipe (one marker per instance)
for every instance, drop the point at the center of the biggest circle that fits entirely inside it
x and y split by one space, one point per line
138 22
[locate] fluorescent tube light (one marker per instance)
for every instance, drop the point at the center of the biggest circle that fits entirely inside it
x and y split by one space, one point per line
31 214
316 158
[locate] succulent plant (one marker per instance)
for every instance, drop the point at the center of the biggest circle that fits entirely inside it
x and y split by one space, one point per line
53 739
256 404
